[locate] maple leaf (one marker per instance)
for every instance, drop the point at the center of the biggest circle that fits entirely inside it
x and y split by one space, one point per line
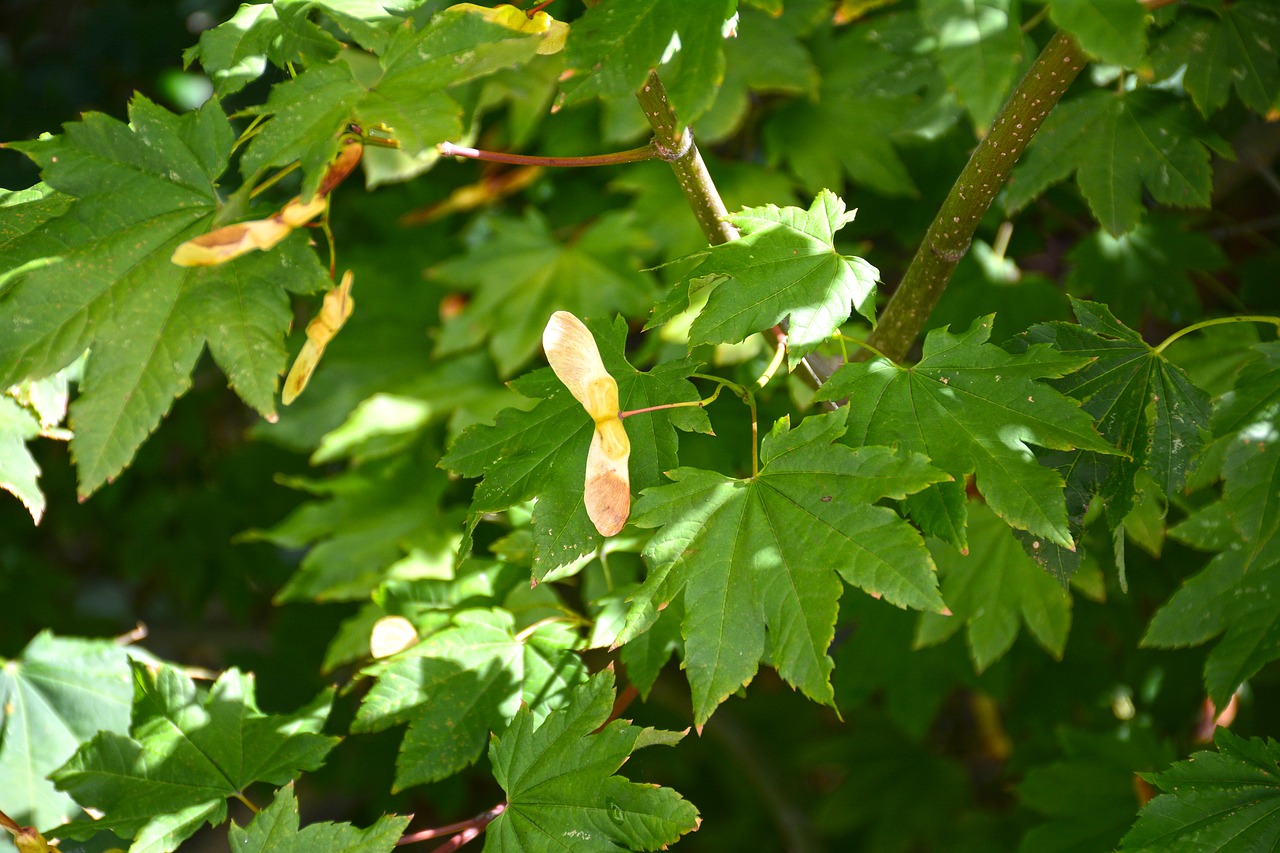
991 592
979 50
877 88
1236 45
56 694
613 46
1118 144
762 558
404 89
541 453
1112 30
942 407
142 189
275 830
766 56
522 273
1123 379
460 683
1147 270
185 754
1224 800
1235 593
365 526
558 774
784 267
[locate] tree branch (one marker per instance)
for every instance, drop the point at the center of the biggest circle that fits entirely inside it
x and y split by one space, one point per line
631 155
674 144
948 238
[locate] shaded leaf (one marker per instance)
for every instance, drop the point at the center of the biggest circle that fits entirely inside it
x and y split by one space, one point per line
1112 30
1224 800
1225 45
979 50
522 272
992 592
1118 145
613 46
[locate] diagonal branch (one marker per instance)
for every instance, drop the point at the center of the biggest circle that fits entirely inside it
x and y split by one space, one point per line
948 238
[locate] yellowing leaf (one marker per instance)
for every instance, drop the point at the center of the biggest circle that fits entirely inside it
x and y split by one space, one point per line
553 32
337 307
573 355
232 241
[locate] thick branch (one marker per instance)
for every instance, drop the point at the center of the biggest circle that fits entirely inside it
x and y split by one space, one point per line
675 145
952 230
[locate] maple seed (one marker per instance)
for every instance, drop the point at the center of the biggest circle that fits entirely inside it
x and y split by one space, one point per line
337 307
573 355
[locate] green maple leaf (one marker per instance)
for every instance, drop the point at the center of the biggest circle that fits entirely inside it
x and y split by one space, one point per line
992 591
561 789
1235 593
979 50
1112 30
1224 800
235 53
185 755
971 407
759 561
877 88
542 453
1124 378
462 682
275 830
1238 46
521 274
24 214
1146 270
1118 145
614 45
1088 796
404 89
880 660
375 521
142 189
19 472
56 694
785 267
766 56
1146 406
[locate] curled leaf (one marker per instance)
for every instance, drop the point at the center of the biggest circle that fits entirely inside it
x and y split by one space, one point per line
573 355
337 307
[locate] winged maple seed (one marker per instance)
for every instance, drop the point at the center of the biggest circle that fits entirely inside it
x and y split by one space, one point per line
232 241
335 310
574 357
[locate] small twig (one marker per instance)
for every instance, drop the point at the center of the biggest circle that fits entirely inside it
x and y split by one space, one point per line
631 155
462 832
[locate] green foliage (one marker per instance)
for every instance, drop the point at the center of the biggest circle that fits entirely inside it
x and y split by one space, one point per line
1062 530
275 830
1224 801
560 773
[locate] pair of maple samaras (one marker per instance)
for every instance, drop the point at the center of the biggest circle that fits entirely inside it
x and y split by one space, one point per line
573 355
